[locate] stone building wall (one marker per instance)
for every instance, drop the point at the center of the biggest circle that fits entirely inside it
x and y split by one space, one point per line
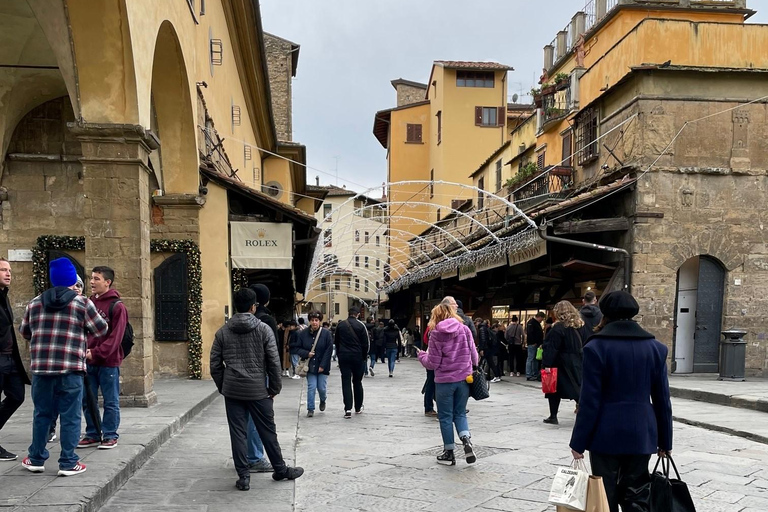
711 188
279 63
407 94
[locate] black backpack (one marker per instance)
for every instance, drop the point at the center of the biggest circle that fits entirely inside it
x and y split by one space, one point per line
127 343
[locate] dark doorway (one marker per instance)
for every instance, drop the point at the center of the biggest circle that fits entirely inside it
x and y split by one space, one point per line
709 316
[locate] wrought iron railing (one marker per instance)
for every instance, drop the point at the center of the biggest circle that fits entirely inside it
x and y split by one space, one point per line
551 184
557 103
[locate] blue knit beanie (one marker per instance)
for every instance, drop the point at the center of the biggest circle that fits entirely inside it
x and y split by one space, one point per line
62 273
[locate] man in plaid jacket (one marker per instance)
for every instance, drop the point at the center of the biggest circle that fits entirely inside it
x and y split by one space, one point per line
57 323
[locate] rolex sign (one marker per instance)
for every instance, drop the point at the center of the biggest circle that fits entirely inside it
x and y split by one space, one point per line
261 245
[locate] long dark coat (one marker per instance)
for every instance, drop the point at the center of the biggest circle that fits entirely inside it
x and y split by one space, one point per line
562 350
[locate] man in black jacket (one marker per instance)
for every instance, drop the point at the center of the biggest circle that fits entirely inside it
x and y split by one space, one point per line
352 345
13 376
246 369
591 315
534 335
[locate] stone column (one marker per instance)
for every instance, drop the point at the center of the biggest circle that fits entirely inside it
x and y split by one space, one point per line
116 217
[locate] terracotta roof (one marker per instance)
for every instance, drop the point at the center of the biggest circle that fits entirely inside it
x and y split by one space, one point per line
463 64
334 191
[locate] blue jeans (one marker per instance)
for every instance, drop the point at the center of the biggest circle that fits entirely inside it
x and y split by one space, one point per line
295 361
108 380
391 358
51 394
316 382
372 355
255 446
452 410
531 364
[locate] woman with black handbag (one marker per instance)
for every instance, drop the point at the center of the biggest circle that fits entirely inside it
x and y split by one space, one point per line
625 413
452 355
562 350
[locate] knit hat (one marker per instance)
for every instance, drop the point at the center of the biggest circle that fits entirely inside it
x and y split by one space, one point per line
619 306
62 273
262 293
80 283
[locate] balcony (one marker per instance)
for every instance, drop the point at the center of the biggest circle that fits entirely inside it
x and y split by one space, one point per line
551 185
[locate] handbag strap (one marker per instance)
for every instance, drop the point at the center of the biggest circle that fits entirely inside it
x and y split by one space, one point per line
349 324
317 336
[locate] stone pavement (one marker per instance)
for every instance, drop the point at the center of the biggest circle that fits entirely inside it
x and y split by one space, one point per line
142 432
383 460
750 394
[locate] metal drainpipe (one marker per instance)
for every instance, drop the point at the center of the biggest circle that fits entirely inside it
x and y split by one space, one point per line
587 245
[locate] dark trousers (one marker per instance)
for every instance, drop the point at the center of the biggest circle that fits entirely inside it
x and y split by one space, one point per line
429 391
517 358
12 387
619 473
554 406
352 369
263 414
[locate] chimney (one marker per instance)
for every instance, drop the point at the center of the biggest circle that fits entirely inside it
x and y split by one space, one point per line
317 180
549 56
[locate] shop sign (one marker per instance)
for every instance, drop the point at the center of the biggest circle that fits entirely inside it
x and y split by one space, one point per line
467 272
261 245
537 250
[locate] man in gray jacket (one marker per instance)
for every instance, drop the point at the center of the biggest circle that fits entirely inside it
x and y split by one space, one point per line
246 369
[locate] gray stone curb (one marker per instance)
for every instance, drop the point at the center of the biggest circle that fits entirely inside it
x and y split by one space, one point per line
754 404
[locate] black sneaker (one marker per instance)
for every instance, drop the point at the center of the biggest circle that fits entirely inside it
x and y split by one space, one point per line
6 455
322 405
390 375
347 415
552 420
244 483
370 370
310 414
469 453
288 474
446 458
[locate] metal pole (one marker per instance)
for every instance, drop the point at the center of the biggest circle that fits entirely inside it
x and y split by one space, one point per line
598 247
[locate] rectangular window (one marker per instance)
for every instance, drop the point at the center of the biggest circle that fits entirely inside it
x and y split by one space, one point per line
378 263
357 235
327 208
366 286
357 261
367 237
498 175
474 79
541 160
438 215
323 283
357 284
489 116
567 149
336 308
480 195
432 183
328 239
366 262
413 133
586 136
378 241
337 284
439 127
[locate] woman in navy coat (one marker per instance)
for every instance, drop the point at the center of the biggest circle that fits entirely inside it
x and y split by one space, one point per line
319 360
625 414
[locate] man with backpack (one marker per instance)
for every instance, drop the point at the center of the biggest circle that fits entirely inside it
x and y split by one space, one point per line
104 356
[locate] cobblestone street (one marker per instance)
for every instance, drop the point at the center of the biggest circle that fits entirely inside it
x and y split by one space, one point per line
383 460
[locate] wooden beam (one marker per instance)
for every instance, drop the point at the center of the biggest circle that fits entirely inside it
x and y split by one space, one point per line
592 226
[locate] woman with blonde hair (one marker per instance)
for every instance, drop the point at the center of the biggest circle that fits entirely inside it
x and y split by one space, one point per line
562 350
452 355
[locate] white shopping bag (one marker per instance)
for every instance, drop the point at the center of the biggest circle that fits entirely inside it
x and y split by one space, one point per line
569 489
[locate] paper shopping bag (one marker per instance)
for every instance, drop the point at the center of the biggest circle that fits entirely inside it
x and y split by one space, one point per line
597 499
569 488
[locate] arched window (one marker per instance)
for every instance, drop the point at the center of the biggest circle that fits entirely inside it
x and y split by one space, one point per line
54 255
171 298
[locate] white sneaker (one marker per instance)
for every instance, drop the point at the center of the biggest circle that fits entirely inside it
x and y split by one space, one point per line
496 379
295 377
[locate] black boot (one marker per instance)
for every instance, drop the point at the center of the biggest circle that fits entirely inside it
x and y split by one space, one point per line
244 483
469 452
446 458
552 420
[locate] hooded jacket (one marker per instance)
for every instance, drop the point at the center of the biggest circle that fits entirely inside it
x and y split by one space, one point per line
451 352
56 323
107 350
591 315
244 360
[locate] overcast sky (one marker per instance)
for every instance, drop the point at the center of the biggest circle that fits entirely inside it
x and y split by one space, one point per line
352 49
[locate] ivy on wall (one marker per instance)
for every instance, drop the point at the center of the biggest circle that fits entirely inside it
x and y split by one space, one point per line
46 243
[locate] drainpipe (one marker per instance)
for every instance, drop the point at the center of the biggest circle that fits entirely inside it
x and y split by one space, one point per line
587 245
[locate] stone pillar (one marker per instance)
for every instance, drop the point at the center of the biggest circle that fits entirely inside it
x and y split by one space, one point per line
578 27
562 44
601 7
549 57
116 215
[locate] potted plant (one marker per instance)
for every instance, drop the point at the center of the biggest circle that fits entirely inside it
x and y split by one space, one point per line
562 80
547 88
536 94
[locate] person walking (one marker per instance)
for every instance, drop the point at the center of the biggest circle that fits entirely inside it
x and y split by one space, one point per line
13 376
104 357
352 346
534 336
372 329
316 344
429 384
501 351
625 412
452 355
293 347
486 347
391 334
517 356
57 324
590 314
378 339
562 350
245 367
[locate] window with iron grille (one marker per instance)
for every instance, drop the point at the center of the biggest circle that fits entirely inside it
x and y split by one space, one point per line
474 79
171 299
498 175
413 133
327 208
586 136
567 149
